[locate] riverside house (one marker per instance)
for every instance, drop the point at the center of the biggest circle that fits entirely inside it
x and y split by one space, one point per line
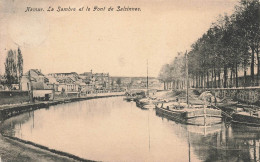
67 85
66 82
96 81
38 80
72 75
35 80
101 80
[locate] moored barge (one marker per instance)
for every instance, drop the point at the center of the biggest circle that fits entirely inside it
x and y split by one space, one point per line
194 116
246 118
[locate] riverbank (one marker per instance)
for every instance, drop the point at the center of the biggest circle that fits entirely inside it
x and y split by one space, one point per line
229 100
13 149
8 111
180 94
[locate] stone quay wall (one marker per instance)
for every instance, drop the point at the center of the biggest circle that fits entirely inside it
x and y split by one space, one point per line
247 95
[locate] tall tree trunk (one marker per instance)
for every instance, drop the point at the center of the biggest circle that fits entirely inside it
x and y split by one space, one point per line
196 80
234 78
258 65
203 80
252 65
212 79
225 76
199 83
207 79
215 78
236 75
245 68
245 82
219 79
231 78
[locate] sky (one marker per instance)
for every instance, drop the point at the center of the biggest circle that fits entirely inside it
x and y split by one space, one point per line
118 43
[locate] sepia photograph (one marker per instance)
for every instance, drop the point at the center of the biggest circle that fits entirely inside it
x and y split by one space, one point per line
129 80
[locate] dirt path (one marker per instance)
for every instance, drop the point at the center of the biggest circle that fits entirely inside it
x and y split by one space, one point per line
13 151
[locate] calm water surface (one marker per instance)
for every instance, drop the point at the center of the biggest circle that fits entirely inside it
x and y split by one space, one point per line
111 129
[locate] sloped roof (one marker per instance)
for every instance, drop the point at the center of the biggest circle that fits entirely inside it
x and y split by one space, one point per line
87 74
73 73
36 71
65 80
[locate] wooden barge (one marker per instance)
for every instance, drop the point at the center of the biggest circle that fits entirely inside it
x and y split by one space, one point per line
246 118
193 116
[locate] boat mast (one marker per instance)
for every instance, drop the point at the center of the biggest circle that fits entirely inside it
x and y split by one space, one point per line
148 111
187 79
147 78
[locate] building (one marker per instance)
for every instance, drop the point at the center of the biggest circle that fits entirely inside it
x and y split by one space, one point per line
56 75
101 80
36 82
35 79
96 81
66 82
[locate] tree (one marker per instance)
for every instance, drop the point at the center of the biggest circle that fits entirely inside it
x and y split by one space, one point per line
118 82
11 69
112 83
232 43
164 75
177 71
248 21
131 83
19 64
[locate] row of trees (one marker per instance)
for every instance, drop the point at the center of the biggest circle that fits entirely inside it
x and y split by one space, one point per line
231 45
13 67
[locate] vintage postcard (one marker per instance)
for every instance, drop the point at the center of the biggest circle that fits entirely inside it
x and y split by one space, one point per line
129 80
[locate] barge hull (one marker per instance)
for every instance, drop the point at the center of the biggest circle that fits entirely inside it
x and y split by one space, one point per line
246 120
181 116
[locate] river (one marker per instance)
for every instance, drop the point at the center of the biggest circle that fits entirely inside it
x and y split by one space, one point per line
110 129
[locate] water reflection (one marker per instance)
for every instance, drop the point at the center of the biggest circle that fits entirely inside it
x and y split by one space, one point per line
110 129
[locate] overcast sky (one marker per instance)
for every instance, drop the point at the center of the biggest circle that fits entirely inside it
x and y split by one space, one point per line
114 42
